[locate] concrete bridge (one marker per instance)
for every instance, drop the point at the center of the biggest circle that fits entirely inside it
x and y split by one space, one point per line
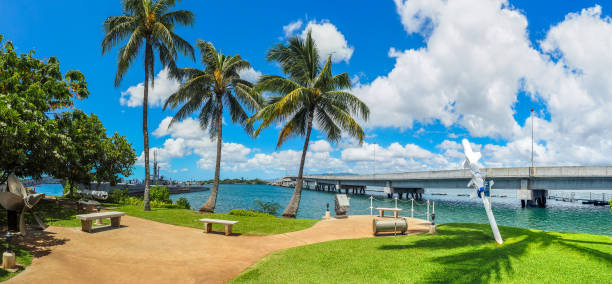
532 184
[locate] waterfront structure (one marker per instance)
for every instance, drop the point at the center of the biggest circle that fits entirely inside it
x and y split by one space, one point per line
532 183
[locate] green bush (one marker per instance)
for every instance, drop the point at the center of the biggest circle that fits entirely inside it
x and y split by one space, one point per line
610 202
160 194
248 213
118 195
267 207
183 203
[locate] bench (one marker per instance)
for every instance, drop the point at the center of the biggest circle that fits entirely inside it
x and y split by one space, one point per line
86 219
396 211
87 205
208 225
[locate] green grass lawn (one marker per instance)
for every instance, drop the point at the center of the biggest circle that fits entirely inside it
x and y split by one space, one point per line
52 215
64 216
246 225
24 258
459 253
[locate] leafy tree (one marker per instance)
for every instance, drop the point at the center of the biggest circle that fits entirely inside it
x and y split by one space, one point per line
309 93
80 142
148 23
116 157
208 91
31 88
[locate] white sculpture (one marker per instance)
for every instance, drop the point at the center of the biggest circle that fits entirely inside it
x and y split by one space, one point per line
479 185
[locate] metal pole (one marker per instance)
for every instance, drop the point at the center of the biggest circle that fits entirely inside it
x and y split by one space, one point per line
371 199
433 207
412 208
428 210
396 202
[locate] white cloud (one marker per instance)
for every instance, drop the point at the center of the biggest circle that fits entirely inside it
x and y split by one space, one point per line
292 27
250 75
187 128
329 40
321 146
478 57
163 88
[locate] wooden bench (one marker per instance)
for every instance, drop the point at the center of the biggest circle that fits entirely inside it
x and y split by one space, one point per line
396 211
86 219
208 225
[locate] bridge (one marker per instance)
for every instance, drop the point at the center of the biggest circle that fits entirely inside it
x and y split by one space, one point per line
532 183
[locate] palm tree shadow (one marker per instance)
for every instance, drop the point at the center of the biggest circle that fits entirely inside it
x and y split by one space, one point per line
481 259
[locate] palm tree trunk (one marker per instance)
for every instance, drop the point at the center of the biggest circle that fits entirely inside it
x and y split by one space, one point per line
294 204
209 206
145 130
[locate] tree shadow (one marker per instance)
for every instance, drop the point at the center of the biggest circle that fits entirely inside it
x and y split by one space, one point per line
38 243
481 260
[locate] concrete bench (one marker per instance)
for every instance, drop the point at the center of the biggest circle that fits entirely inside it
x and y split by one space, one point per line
208 225
86 219
396 211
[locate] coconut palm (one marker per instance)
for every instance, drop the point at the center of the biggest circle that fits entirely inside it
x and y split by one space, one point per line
148 23
309 93
208 90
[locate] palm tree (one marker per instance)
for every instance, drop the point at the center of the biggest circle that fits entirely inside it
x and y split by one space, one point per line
208 91
309 94
148 22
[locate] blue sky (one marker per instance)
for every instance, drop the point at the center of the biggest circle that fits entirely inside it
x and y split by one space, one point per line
433 72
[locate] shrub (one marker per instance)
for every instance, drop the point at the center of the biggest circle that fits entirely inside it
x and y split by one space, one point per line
118 195
160 194
183 203
267 207
248 213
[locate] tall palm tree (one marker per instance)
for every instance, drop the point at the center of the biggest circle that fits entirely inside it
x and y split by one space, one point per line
309 93
208 90
150 23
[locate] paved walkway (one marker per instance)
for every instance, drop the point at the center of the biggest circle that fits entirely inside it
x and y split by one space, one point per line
144 251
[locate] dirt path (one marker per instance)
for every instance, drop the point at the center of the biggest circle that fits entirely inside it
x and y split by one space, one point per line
144 251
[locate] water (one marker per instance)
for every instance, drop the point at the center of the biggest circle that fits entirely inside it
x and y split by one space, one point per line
50 189
559 216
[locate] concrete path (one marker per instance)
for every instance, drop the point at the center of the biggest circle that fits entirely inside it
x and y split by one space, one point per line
144 251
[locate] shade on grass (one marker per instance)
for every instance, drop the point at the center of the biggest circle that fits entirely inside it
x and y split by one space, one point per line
247 225
459 253
23 257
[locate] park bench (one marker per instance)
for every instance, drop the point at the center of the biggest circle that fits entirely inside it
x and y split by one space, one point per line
86 219
396 211
208 225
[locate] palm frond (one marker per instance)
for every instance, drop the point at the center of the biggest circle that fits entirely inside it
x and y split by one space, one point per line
344 119
328 126
208 53
183 17
295 126
353 104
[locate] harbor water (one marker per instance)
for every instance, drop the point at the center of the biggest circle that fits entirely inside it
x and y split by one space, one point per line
558 216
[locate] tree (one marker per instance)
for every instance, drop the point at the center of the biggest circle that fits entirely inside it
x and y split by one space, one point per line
80 144
147 22
209 90
87 155
116 157
31 88
309 93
